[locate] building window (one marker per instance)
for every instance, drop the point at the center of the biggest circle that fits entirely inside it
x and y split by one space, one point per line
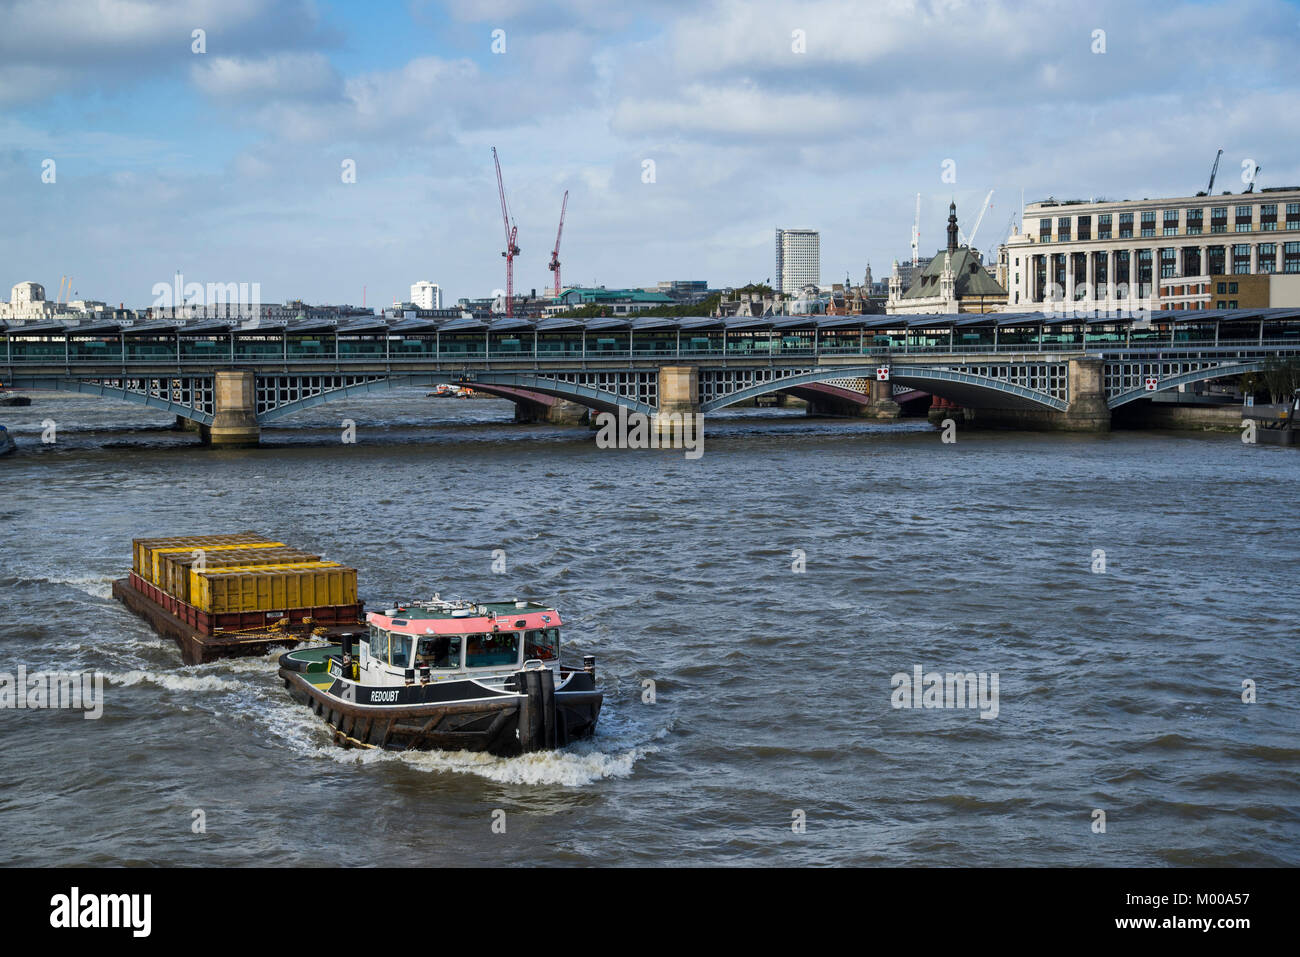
1232 288
1221 288
1245 218
1219 219
1268 217
1063 229
1085 227
1220 304
1215 256
1149 223
1268 257
1291 257
1125 225
1171 222
1232 304
1241 259
1168 263
1044 230
1122 267
1103 226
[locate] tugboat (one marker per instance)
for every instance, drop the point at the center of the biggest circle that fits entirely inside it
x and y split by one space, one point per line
449 675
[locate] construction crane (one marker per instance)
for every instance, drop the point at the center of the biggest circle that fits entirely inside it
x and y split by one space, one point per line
555 253
970 240
916 234
511 231
1253 177
1213 173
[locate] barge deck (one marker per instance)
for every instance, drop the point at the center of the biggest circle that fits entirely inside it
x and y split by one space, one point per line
199 648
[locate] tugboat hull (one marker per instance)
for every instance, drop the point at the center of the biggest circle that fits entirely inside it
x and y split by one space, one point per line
454 716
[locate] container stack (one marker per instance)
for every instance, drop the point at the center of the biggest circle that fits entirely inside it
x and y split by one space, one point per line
242 581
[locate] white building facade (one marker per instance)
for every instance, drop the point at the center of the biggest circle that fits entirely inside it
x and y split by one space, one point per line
426 295
798 260
1107 256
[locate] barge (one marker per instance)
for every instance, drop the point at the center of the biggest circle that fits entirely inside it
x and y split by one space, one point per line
449 675
220 596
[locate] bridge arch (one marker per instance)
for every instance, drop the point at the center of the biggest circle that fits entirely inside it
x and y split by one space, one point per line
188 396
961 386
507 385
1186 378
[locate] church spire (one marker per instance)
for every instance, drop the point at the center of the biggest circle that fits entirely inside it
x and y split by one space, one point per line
952 227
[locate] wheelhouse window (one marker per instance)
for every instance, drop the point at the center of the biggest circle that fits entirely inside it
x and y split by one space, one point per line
438 651
542 644
494 650
378 644
399 648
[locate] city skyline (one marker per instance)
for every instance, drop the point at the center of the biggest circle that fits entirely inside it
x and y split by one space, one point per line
229 165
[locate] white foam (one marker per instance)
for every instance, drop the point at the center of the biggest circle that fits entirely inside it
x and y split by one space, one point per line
172 682
578 765
95 586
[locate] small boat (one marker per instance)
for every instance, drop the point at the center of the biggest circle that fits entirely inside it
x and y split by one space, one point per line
7 443
449 675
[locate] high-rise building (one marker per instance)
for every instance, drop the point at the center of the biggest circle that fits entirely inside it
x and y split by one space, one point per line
426 295
798 260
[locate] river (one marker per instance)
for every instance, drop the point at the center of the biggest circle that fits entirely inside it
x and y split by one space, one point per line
748 611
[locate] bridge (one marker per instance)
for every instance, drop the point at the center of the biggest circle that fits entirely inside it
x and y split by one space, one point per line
1032 370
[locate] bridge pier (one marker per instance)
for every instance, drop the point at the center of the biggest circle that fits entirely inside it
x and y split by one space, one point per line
679 392
883 405
234 424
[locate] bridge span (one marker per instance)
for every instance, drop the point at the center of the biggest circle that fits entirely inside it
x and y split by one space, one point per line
1021 369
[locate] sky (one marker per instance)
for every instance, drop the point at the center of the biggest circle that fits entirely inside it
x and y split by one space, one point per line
685 133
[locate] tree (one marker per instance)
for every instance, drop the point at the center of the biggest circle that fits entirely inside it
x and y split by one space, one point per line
1281 377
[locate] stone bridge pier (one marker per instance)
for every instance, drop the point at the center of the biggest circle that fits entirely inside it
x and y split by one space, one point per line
234 422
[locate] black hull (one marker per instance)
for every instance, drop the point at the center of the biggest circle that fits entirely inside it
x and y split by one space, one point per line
489 723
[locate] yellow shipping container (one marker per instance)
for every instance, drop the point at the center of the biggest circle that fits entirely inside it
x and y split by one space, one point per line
273 588
189 548
142 548
175 577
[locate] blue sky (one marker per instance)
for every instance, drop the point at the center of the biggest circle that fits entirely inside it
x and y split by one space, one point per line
227 164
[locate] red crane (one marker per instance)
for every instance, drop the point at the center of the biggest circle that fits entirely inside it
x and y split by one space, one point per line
555 253
511 249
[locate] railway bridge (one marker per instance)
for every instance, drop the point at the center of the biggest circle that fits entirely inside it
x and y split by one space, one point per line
1025 370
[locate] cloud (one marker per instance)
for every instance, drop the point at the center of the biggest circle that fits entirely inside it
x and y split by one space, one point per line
279 76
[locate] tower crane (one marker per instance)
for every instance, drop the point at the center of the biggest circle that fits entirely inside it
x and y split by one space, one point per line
970 240
511 230
916 233
555 253
1213 173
